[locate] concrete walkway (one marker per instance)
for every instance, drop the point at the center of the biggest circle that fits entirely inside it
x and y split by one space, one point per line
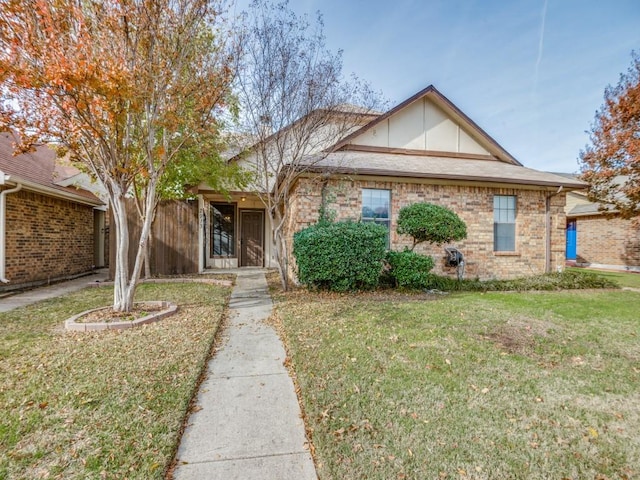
248 423
52 291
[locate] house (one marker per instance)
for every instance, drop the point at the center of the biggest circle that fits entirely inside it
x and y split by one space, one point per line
599 237
49 229
423 150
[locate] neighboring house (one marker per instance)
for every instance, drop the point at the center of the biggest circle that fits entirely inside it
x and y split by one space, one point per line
423 150
49 229
598 237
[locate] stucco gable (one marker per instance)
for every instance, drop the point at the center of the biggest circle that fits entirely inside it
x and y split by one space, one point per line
426 122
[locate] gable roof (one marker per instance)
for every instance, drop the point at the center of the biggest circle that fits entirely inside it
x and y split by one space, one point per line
250 142
432 94
587 207
37 171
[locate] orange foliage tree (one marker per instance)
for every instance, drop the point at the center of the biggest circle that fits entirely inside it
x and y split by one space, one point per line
611 163
129 88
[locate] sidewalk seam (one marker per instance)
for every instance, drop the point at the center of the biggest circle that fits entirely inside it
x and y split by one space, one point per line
234 459
228 377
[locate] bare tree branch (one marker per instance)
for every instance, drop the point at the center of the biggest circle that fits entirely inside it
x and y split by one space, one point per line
295 104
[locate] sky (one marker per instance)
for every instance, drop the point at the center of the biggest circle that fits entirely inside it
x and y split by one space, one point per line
530 73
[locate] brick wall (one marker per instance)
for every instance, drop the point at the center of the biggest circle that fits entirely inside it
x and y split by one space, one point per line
47 238
474 204
614 241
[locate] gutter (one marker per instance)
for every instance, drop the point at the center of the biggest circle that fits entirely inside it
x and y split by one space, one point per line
3 180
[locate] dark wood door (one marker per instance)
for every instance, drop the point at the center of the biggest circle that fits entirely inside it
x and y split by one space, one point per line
251 238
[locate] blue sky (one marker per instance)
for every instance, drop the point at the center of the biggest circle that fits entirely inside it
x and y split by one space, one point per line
531 73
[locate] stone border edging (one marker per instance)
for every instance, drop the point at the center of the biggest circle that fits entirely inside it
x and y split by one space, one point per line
72 325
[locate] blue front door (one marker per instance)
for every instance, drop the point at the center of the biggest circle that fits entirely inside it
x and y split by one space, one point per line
572 240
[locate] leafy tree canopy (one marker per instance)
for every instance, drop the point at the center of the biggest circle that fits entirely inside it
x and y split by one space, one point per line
611 162
133 90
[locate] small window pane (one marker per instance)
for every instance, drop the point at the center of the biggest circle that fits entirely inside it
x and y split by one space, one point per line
504 237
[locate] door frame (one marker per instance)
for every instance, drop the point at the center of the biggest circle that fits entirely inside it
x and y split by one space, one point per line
241 238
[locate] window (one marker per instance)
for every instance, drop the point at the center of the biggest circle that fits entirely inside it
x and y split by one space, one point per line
223 227
376 207
504 223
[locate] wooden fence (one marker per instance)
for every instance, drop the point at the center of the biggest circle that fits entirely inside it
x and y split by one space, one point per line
174 242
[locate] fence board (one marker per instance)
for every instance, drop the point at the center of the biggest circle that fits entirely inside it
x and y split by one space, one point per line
174 238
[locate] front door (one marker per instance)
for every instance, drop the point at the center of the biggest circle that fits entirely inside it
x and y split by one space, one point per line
572 240
251 238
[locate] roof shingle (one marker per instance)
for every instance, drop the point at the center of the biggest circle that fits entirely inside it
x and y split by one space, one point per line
39 167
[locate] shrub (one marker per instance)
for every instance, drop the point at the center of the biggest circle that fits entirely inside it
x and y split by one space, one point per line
566 280
426 222
340 256
409 269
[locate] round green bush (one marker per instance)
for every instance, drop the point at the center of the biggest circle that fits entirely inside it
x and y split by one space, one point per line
340 256
426 222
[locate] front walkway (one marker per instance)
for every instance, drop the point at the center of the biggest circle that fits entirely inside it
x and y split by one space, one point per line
52 291
247 422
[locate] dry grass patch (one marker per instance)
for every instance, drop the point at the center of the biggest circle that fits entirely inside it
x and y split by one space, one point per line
474 386
101 405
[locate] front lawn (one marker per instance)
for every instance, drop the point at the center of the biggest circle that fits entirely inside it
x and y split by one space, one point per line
108 405
624 279
469 386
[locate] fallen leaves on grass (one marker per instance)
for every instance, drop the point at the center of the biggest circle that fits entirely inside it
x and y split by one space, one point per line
107 405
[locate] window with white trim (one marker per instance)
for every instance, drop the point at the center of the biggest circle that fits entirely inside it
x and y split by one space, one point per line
504 223
376 207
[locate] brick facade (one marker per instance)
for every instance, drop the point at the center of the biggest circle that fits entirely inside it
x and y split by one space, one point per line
607 242
474 204
47 238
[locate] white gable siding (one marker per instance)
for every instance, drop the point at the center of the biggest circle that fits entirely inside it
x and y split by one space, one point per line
421 126
406 128
442 132
469 145
377 136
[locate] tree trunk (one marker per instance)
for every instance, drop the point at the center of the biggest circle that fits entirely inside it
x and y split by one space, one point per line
120 281
281 250
147 257
124 286
147 215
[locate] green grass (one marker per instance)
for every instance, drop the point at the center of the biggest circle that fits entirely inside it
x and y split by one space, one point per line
623 279
108 405
473 385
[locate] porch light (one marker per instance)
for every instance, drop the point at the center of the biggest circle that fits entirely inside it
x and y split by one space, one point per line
242 199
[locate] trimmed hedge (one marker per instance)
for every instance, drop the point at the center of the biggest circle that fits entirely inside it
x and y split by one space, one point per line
565 280
409 269
340 256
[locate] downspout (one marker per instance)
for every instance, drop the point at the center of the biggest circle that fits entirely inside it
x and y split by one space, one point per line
548 228
4 178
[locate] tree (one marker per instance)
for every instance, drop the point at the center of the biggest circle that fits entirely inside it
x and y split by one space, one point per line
198 163
131 89
426 222
294 102
611 163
